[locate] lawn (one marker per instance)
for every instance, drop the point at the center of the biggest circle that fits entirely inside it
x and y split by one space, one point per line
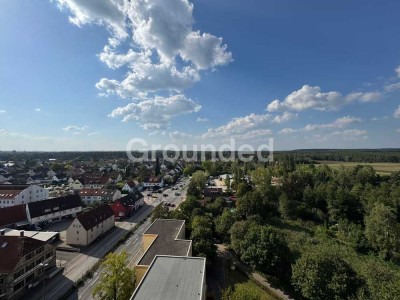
381 168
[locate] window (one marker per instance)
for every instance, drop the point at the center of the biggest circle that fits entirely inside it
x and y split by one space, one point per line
77 232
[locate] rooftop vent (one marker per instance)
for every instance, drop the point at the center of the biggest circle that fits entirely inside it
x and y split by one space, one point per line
4 245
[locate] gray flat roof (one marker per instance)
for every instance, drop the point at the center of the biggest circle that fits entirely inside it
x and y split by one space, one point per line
166 242
173 278
43 236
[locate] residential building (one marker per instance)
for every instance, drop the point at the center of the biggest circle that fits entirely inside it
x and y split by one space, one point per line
129 186
90 196
96 182
154 181
55 208
173 277
11 195
125 206
26 260
88 226
75 184
163 237
210 194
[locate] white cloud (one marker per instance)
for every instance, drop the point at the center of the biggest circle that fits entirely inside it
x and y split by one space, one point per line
199 119
338 123
177 135
160 34
285 117
397 70
240 126
288 131
397 112
156 113
392 87
37 109
351 134
109 13
74 128
93 133
150 78
2 111
309 97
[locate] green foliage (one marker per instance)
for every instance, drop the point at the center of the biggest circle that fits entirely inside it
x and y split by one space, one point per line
261 247
241 291
197 184
160 212
383 231
224 222
322 275
202 236
216 207
117 281
253 203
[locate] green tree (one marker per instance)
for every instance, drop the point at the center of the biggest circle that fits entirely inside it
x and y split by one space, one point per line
202 236
383 231
117 281
322 275
261 247
224 222
160 212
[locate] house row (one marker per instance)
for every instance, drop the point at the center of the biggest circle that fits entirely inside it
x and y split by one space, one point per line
90 196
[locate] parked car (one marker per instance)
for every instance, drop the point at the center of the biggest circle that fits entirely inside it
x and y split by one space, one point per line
165 195
173 205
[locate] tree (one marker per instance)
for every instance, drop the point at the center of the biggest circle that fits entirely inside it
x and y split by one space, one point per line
117 281
383 231
242 189
323 275
160 212
197 183
261 247
224 222
287 208
242 291
202 236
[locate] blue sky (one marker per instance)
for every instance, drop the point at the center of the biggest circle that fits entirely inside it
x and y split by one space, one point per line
91 75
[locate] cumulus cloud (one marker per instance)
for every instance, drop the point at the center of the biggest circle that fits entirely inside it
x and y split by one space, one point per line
309 97
74 128
109 13
392 87
338 123
288 131
2 111
397 112
351 134
156 113
397 70
160 34
37 109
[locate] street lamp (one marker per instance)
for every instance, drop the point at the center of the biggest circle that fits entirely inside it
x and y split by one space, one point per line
44 270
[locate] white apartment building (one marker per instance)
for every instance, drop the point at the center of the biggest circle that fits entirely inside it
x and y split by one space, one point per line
11 195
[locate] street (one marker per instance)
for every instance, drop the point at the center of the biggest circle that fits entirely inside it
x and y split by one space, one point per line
59 285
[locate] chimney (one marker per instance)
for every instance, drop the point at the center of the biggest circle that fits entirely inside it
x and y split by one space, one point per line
2 232
21 233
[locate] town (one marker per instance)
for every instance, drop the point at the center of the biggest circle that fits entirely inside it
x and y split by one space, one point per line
183 229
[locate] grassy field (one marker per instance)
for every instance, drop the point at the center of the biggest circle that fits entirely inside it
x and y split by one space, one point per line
381 168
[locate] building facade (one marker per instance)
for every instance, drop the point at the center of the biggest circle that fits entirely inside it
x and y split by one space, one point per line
125 206
11 195
87 227
27 259
55 208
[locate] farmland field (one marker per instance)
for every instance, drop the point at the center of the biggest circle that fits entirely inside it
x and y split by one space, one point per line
381 168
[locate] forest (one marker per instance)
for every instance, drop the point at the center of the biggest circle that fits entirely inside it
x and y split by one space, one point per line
313 231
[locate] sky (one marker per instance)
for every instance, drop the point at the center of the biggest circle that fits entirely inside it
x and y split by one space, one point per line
93 75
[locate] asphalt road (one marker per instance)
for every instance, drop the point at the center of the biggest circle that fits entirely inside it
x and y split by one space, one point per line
60 284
